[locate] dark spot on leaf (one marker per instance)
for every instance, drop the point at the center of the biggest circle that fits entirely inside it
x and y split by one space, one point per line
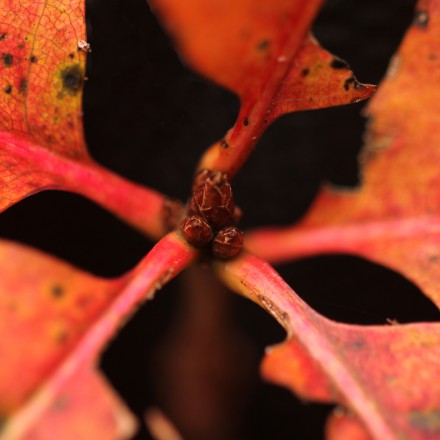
72 79
60 404
280 315
263 45
224 144
33 59
23 86
3 36
57 291
71 55
7 59
427 421
21 45
353 81
83 302
8 89
357 344
348 82
245 122
265 121
421 19
12 306
338 64
62 336
3 421
305 71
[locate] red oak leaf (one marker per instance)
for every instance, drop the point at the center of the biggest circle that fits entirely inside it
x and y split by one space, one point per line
42 146
393 217
384 374
58 319
260 51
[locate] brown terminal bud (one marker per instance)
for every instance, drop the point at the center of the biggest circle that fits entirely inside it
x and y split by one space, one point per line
213 200
201 176
227 243
196 231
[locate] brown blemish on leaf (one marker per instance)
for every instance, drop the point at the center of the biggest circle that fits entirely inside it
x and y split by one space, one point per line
71 55
72 79
83 302
7 59
281 316
60 404
352 81
62 337
357 344
263 45
427 421
33 59
22 88
57 291
305 71
224 144
245 122
3 36
8 89
12 306
421 19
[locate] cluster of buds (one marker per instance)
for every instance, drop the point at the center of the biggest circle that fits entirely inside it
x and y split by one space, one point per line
211 216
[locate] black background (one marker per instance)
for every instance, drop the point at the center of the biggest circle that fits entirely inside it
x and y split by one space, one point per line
149 118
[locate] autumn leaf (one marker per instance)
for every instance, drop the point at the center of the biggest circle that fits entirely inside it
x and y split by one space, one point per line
262 52
59 319
393 217
384 374
344 426
265 55
42 145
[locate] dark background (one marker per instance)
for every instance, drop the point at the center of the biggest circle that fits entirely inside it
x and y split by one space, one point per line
149 118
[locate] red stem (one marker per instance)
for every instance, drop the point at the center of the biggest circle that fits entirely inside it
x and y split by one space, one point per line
256 280
170 256
284 244
255 113
139 206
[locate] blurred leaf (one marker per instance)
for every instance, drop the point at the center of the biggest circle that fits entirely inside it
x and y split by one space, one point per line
54 321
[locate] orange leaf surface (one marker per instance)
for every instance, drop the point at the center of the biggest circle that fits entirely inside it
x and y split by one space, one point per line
260 51
393 218
41 134
58 319
342 426
85 408
384 374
